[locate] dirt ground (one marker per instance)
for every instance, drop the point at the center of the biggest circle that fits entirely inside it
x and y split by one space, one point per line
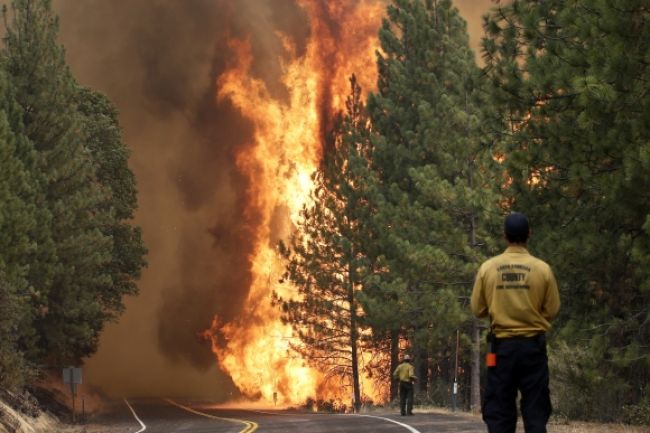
581 427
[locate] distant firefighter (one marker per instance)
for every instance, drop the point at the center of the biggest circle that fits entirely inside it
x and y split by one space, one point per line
405 373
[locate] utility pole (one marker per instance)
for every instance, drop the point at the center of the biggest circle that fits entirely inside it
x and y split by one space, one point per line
475 398
455 394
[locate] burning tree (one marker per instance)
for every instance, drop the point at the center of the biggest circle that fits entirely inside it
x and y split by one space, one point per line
287 145
326 258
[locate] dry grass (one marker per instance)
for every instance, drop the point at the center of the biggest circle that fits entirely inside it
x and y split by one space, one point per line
583 427
21 423
445 411
45 423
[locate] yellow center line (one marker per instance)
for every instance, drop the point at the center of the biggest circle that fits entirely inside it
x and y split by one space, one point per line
250 425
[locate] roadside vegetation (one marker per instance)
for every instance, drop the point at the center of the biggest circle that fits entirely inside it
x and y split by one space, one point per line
68 249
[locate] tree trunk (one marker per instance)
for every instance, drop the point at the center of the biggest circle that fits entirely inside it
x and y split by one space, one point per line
354 339
422 370
394 362
475 399
355 365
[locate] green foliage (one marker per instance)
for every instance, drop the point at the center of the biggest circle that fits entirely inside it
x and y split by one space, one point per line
102 137
19 214
14 370
67 248
570 80
638 413
17 219
45 90
436 182
581 387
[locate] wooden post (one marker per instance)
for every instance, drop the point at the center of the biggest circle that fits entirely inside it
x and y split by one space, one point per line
475 397
73 391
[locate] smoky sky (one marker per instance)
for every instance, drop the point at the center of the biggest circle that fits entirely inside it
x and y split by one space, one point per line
159 61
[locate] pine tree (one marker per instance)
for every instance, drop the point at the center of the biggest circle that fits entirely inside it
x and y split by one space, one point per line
73 264
434 171
571 83
102 137
326 259
17 221
14 369
17 213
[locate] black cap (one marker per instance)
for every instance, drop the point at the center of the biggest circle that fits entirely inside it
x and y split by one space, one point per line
516 228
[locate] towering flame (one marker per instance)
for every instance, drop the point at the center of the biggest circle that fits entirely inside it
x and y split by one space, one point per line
288 144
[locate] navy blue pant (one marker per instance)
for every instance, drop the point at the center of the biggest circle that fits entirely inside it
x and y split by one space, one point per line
522 365
406 398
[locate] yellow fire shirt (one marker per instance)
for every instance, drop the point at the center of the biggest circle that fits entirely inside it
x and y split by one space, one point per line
404 372
518 292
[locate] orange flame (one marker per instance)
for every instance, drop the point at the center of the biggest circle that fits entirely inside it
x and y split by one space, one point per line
287 148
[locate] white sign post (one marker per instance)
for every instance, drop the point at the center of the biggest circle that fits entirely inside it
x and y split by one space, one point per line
72 377
454 396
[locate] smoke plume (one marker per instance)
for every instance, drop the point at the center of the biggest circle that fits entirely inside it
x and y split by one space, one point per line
159 62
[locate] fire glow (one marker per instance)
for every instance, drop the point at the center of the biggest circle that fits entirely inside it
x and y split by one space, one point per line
288 141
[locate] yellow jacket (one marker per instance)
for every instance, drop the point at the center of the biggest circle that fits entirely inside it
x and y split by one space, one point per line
518 292
404 372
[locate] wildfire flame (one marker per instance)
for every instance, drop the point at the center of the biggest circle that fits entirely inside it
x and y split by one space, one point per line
288 142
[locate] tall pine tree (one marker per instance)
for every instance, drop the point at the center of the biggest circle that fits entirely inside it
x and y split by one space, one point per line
434 174
326 256
103 139
86 258
17 222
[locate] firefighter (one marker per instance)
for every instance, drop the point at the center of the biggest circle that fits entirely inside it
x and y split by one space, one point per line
405 373
519 294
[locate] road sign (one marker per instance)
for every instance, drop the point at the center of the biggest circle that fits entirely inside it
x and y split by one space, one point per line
72 376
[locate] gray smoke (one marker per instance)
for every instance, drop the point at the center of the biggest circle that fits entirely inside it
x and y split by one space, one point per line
158 61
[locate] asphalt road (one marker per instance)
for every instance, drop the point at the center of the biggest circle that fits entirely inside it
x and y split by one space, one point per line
176 416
